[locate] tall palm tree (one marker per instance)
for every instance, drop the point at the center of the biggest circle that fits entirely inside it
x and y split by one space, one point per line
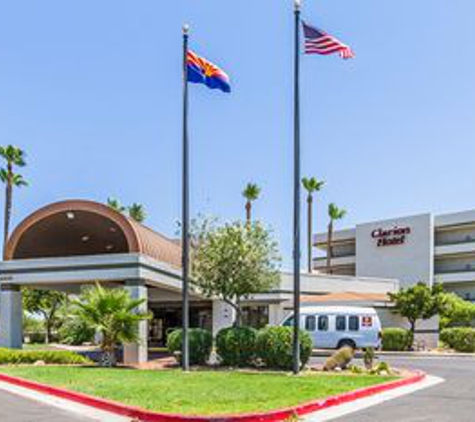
13 156
335 214
115 204
250 193
311 185
137 212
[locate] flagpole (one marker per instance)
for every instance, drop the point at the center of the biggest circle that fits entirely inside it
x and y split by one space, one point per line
296 234
186 210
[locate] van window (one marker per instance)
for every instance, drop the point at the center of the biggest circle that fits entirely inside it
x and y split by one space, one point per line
341 323
289 322
354 323
322 323
310 323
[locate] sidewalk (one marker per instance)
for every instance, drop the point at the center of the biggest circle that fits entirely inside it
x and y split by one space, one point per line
379 353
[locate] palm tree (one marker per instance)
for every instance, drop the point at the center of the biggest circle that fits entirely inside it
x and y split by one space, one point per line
137 212
312 185
250 193
335 214
14 157
113 314
115 204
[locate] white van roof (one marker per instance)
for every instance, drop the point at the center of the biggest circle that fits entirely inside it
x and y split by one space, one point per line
351 310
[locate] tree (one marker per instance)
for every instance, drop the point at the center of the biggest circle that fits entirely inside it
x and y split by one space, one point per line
250 193
137 212
456 311
234 261
13 156
418 302
46 303
116 205
335 214
311 185
113 314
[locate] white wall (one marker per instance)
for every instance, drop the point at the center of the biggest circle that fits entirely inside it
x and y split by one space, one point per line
408 262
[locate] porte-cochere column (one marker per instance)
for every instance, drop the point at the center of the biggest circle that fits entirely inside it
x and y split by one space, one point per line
11 317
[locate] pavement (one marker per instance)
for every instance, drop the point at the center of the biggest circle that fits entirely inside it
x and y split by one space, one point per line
452 400
14 408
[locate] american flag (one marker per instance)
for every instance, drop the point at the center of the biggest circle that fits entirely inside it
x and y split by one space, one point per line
319 42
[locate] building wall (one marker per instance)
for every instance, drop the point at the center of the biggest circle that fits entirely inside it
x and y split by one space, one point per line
409 261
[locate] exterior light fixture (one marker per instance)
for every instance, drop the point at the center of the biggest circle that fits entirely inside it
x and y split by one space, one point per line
70 215
109 247
85 238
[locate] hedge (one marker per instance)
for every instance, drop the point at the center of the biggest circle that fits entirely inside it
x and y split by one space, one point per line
200 345
396 339
461 339
274 347
57 357
236 346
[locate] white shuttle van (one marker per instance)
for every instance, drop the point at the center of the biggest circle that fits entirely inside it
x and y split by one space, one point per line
332 327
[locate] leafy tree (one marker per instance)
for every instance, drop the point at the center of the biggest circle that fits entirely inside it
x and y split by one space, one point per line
46 303
456 311
335 214
418 302
113 314
234 261
116 205
251 193
137 212
311 185
13 156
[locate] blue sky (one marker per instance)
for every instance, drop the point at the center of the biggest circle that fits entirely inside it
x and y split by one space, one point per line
92 91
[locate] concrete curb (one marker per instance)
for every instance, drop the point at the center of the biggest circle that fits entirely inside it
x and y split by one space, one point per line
271 416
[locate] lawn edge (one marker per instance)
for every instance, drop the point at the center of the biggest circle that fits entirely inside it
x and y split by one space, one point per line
273 415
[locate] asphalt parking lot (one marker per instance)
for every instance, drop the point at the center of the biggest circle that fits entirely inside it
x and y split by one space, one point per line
453 400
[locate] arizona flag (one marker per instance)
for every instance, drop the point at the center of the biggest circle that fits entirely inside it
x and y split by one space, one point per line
201 71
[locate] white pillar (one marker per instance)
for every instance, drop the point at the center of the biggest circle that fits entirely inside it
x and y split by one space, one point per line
223 316
138 353
11 317
276 313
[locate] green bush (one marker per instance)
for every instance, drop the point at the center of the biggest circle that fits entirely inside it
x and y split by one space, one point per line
461 339
396 339
76 331
57 357
200 344
274 347
236 346
340 359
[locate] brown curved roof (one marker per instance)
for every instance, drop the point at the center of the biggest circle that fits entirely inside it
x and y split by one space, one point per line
139 239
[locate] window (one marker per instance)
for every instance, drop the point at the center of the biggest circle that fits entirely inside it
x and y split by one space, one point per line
341 323
354 323
289 322
255 316
310 323
322 323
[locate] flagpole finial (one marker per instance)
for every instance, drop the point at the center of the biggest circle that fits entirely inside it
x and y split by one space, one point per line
186 29
298 4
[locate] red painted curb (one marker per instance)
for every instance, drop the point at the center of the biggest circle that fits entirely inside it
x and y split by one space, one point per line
271 416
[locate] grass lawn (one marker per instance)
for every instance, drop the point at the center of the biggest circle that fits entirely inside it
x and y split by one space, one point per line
200 392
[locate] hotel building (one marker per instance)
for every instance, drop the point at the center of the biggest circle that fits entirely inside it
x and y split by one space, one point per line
423 247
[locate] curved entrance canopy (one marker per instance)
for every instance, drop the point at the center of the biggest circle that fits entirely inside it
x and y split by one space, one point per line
78 228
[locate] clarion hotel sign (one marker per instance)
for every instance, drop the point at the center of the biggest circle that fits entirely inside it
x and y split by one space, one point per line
391 237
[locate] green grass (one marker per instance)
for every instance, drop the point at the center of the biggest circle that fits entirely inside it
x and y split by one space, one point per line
200 392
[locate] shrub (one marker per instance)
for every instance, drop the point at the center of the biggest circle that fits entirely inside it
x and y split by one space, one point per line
461 339
76 331
396 339
368 358
236 346
57 357
200 344
340 359
274 347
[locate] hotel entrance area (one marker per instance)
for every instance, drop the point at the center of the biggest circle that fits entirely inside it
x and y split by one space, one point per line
168 317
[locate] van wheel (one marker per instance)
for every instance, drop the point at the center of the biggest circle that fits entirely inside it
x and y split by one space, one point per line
347 343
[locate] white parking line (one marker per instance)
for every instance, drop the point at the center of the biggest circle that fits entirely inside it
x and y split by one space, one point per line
63 404
360 404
